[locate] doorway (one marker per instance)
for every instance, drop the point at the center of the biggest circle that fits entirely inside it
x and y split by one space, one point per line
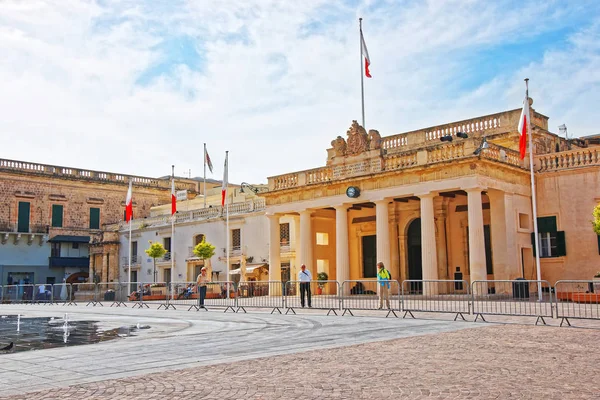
369 256
415 264
167 276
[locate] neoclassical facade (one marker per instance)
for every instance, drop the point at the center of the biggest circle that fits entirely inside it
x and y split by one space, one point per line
446 202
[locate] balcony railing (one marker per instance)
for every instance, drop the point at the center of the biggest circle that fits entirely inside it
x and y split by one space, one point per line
135 260
570 159
234 251
203 214
165 258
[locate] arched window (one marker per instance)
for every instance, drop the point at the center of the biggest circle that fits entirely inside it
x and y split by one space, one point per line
198 239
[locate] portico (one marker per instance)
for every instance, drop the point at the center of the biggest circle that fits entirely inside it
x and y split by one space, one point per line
426 209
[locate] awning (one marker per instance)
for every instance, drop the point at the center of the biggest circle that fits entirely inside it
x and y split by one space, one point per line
249 269
70 239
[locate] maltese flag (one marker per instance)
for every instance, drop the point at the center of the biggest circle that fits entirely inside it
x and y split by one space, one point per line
365 54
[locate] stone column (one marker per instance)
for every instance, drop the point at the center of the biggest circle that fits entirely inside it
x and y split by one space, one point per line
428 242
440 238
476 240
274 248
383 232
503 232
394 267
306 240
104 274
342 259
295 268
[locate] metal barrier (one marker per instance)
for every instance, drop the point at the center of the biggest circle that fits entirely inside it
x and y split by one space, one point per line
188 294
110 292
18 294
259 294
63 293
85 292
138 296
321 295
516 298
42 294
183 294
369 295
439 296
577 300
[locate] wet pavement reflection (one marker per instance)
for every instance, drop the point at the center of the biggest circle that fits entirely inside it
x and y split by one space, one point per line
49 332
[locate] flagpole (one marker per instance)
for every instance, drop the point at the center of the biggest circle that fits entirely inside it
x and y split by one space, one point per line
204 191
173 232
362 83
227 216
533 194
129 269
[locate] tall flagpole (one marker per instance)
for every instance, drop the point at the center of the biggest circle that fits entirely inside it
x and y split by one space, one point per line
533 194
129 269
362 83
173 231
227 214
204 192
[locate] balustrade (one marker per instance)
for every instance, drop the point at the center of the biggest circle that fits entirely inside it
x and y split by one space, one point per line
568 159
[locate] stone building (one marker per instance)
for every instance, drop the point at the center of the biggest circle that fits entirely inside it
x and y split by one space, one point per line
443 202
51 219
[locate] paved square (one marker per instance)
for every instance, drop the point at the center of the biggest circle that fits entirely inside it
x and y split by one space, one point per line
261 356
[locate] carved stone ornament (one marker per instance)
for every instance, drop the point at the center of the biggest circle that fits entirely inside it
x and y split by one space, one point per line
358 141
339 146
374 139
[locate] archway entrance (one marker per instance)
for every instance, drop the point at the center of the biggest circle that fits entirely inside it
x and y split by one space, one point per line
413 246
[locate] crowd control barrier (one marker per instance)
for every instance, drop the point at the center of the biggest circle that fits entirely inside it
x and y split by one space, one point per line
260 294
577 300
519 297
370 295
321 295
438 296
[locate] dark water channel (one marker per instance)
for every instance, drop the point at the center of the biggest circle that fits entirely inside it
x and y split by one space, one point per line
48 332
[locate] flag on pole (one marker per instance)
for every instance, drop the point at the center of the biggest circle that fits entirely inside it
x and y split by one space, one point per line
207 161
173 198
129 204
523 124
365 54
224 187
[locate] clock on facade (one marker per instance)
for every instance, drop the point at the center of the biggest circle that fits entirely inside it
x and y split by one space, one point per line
353 191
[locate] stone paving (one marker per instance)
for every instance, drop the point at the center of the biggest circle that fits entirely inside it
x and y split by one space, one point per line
487 361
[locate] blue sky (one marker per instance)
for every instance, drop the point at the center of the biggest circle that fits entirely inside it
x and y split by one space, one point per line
134 87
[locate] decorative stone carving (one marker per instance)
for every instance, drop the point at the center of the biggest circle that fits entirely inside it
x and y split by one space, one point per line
357 139
339 146
374 139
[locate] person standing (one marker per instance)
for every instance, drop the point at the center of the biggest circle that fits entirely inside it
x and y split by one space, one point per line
201 281
304 276
383 277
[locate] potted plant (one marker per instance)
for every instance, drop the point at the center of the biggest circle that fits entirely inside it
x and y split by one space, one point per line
156 250
321 277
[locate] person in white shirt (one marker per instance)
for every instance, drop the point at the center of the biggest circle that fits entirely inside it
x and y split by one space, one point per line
304 276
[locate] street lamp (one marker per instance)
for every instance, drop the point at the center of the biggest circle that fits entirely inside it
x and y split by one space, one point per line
248 186
448 138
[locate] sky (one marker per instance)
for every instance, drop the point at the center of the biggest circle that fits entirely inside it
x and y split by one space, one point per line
137 86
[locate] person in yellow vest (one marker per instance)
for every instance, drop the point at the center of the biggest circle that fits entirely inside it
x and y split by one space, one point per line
383 277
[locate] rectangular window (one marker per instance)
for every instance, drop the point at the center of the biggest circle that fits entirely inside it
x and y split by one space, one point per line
94 218
57 216
167 243
323 266
284 233
551 242
322 238
236 238
75 246
55 250
23 218
133 252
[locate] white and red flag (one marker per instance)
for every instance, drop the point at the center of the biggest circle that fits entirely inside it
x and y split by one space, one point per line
523 127
173 198
207 160
365 54
224 187
129 204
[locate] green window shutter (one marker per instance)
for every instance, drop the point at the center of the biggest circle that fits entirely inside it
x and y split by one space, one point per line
533 241
94 218
547 224
57 216
598 236
561 244
23 219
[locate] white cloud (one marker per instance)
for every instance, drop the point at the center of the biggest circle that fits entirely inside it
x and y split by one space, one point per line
274 82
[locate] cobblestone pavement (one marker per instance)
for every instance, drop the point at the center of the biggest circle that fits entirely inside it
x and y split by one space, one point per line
492 362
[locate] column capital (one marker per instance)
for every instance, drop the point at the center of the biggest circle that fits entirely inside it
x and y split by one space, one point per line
306 211
273 216
383 201
474 189
343 206
426 195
